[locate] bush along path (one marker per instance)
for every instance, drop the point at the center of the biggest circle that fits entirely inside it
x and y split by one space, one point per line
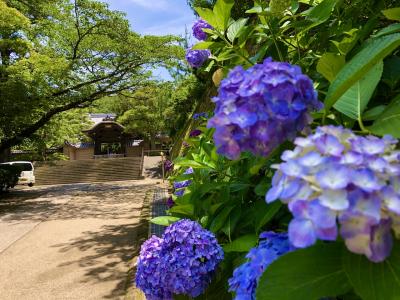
290 188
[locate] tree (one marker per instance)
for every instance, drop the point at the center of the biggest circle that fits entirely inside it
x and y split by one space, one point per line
64 55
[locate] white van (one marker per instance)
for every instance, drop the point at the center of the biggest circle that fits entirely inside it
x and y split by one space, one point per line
27 176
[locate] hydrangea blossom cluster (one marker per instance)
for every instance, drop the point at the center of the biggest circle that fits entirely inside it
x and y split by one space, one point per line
196 58
245 277
170 202
168 166
335 176
200 115
259 108
180 186
195 133
198 27
183 261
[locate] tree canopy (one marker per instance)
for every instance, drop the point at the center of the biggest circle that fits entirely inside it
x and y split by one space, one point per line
60 55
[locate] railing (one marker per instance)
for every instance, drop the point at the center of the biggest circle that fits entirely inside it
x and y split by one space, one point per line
155 152
111 155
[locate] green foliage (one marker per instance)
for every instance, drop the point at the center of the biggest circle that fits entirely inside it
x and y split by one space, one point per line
351 51
59 55
310 273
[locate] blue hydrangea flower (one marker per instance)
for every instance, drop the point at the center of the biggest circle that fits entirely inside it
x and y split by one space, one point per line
245 278
198 27
183 261
149 270
259 108
196 58
200 115
182 184
188 171
336 177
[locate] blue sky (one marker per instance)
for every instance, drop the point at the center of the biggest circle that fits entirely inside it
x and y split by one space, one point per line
156 17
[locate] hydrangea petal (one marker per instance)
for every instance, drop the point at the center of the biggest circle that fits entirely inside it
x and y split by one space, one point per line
302 233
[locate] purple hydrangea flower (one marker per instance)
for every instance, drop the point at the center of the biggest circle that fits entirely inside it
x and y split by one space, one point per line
196 58
245 278
188 171
182 184
168 165
198 27
336 177
170 202
259 108
195 132
200 115
149 270
183 261
179 193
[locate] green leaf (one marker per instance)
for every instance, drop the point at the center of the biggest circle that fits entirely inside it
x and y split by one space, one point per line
164 221
220 219
268 212
391 71
356 68
374 281
393 28
356 99
203 45
242 244
389 121
222 12
207 15
322 11
235 28
185 162
373 113
330 64
187 209
392 13
306 274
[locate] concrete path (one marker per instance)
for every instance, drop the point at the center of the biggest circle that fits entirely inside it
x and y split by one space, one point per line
72 241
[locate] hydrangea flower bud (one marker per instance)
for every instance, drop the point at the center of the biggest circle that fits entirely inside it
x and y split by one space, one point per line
183 261
196 58
335 176
259 108
198 27
245 277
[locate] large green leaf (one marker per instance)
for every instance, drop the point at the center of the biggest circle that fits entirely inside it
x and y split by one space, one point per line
207 15
322 11
242 244
164 221
222 12
356 99
374 281
356 68
392 13
389 121
235 28
330 64
307 274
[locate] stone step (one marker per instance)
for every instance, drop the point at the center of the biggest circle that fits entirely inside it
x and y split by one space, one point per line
87 171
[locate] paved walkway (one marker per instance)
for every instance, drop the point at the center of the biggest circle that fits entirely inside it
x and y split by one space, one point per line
70 242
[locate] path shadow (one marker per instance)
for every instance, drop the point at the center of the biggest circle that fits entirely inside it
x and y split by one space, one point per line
72 202
116 244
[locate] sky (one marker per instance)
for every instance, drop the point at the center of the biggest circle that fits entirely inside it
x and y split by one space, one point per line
156 17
